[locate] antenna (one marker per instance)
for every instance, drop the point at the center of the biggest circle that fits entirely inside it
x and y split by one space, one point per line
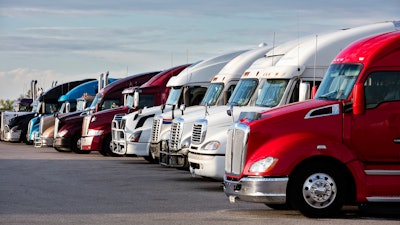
273 49
315 58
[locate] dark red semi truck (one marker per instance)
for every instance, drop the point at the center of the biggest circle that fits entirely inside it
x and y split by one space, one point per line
68 127
96 127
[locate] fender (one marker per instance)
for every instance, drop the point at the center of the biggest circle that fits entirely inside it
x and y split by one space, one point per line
297 147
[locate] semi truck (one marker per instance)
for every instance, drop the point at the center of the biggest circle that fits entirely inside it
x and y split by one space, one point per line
75 100
182 94
305 64
133 137
22 106
96 132
340 148
68 127
21 128
217 95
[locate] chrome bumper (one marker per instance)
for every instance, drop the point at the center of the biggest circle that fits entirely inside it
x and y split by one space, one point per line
257 189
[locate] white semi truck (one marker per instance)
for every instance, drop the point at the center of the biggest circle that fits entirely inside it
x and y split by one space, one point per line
180 133
221 88
131 132
280 84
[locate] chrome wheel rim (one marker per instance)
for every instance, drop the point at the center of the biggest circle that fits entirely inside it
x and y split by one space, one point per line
319 190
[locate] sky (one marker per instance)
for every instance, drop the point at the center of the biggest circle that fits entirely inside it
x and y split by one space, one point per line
66 40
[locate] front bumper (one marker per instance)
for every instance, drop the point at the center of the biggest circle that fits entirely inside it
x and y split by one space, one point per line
212 166
12 136
174 158
138 148
268 190
44 142
91 143
63 143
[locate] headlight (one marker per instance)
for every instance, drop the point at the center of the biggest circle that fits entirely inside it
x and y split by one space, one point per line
62 133
263 165
212 145
135 136
95 132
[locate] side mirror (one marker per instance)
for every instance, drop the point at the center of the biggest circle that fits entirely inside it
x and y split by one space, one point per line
358 99
162 107
182 107
67 107
229 111
304 91
135 99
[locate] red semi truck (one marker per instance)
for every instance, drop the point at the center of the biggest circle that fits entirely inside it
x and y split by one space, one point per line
341 148
68 127
96 127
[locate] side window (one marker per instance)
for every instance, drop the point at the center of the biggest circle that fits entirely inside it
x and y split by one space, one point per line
110 103
229 91
196 94
381 87
294 97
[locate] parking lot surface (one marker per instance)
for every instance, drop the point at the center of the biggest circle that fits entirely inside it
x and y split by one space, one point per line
43 186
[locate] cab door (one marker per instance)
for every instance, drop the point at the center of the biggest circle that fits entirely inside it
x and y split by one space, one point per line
375 135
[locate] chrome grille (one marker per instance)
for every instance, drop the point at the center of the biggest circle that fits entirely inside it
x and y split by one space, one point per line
85 125
236 148
199 131
41 125
56 126
155 129
176 133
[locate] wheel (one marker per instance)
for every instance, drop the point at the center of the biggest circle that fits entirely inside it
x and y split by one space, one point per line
76 146
317 190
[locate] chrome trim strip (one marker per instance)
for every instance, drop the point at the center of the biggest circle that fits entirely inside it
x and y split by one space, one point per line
383 172
383 199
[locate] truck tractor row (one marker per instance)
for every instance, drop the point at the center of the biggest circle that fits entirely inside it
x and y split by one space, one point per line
311 124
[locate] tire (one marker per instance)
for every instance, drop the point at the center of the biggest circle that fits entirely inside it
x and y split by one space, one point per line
317 190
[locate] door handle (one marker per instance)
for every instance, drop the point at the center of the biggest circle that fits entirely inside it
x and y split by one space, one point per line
396 140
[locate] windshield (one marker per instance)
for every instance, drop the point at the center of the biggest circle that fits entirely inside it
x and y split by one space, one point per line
338 81
212 94
96 100
271 92
243 92
174 95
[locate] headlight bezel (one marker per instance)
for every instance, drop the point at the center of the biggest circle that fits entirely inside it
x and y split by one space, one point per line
263 165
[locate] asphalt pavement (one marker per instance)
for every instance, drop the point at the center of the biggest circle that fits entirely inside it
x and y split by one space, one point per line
43 186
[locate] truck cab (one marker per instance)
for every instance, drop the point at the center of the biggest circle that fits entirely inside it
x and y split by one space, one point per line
96 127
340 148
288 81
122 125
217 95
70 102
68 127
187 89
